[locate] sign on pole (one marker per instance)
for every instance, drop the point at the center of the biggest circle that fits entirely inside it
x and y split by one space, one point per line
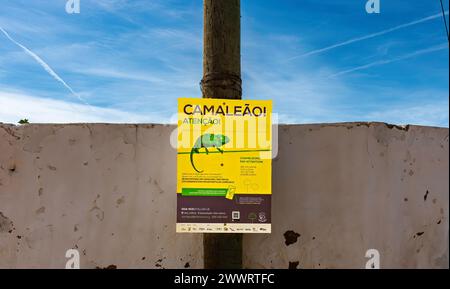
224 166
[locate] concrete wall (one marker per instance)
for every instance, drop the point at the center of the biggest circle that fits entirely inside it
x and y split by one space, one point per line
109 191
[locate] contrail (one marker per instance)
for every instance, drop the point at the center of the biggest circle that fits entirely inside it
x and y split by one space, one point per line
439 15
44 65
387 61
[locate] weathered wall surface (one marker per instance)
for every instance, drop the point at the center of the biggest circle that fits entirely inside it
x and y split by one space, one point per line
109 191
348 188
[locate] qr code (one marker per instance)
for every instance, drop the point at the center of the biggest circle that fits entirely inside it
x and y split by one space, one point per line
235 215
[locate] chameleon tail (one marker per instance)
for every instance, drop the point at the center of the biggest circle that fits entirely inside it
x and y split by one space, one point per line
192 159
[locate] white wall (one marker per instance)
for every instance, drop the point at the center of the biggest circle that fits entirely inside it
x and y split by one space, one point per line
109 190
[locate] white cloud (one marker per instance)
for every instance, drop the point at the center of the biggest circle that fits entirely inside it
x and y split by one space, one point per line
387 61
429 114
125 9
16 105
108 72
44 65
372 35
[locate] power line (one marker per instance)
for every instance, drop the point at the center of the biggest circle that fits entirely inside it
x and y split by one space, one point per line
445 19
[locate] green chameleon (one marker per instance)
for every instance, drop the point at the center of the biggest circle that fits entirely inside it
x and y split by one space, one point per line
208 141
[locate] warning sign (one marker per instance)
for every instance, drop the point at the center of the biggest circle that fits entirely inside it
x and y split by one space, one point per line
224 166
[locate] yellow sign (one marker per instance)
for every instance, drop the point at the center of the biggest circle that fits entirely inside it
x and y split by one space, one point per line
224 165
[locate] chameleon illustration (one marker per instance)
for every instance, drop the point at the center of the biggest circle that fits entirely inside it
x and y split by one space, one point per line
208 141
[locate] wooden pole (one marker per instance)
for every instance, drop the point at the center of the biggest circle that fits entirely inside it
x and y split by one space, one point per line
222 49
222 79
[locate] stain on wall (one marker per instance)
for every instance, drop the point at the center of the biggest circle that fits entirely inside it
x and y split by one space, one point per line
6 225
290 237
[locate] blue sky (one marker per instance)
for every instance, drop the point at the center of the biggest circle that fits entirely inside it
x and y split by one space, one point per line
319 61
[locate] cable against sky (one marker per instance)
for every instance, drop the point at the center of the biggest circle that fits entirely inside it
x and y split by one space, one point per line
372 35
44 65
445 20
387 61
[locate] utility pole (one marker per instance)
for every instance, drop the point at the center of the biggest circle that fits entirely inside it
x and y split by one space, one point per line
222 49
222 79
